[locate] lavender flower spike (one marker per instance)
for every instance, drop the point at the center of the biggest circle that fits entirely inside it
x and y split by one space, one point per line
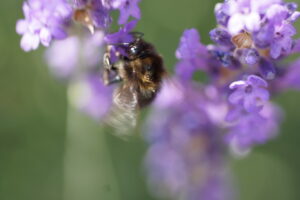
268 24
254 128
44 21
191 53
185 157
91 96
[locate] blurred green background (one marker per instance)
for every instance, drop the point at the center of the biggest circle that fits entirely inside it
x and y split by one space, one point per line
49 151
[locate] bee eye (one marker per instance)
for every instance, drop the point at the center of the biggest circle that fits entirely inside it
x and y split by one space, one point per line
133 50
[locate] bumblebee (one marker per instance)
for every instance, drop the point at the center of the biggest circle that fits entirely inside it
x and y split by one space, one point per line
139 70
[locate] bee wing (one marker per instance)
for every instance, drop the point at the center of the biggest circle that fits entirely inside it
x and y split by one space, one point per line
123 114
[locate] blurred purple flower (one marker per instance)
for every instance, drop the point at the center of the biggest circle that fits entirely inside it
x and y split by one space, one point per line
44 21
91 96
253 128
251 93
191 53
185 157
65 57
185 69
190 46
291 77
171 94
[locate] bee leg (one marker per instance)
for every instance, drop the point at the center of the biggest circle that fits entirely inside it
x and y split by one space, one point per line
108 79
116 79
108 67
111 71
105 77
106 62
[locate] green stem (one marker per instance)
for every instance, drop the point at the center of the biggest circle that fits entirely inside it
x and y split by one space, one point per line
88 169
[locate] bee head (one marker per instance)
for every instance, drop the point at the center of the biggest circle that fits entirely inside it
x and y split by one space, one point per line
138 48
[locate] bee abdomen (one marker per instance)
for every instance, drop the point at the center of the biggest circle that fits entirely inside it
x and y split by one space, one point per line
146 97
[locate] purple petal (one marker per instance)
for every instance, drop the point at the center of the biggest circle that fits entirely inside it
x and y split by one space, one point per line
236 23
135 12
291 6
277 13
296 46
234 114
123 35
287 44
190 46
252 21
262 38
30 42
294 16
58 33
263 5
63 56
127 9
220 36
123 17
236 96
249 56
43 19
288 30
185 69
64 10
22 26
26 10
256 81
221 16
250 104
267 69
291 78
262 94
275 50
130 26
45 37
237 84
